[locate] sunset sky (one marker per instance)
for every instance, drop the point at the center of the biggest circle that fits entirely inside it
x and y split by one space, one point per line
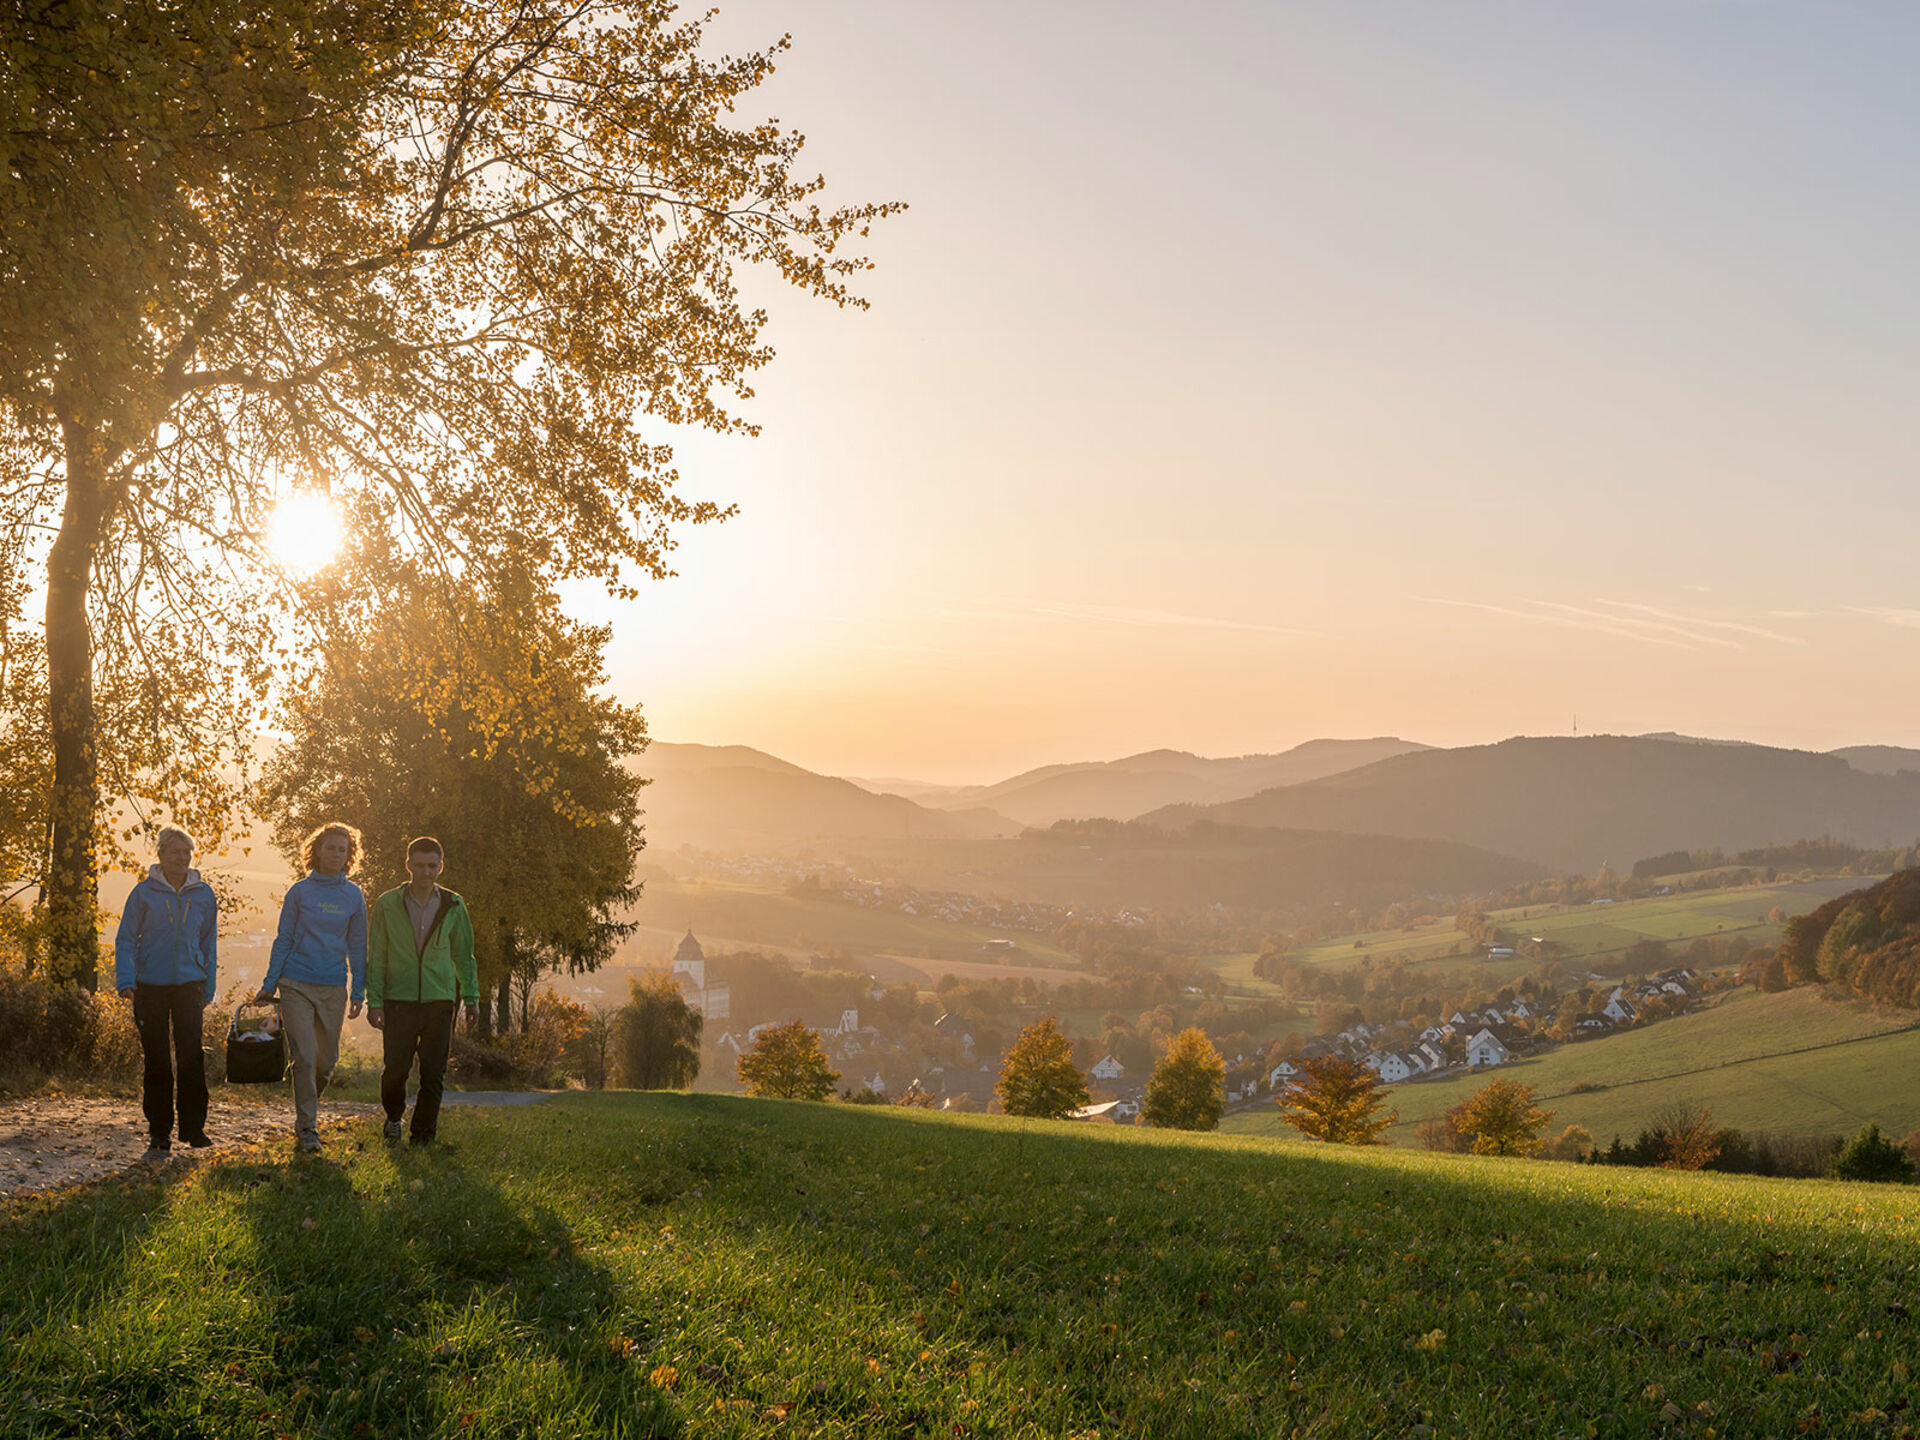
1245 373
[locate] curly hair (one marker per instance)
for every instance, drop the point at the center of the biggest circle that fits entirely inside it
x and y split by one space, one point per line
310 847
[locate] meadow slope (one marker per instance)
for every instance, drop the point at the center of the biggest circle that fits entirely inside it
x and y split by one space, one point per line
1793 1063
710 1266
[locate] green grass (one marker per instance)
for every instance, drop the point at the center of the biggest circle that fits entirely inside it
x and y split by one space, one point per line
711 1266
1793 1063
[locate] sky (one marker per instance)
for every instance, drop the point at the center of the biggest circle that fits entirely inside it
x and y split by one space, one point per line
1247 373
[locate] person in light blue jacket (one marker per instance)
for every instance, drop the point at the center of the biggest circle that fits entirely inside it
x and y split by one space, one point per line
165 960
321 949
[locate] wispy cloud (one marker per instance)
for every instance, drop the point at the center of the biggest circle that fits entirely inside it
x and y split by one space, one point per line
1631 620
1736 627
1887 615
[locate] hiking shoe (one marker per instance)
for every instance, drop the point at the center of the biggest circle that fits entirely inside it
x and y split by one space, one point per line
391 1130
156 1155
310 1144
200 1141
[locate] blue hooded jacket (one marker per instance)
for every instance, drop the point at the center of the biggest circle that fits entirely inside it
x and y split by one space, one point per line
168 936
323 929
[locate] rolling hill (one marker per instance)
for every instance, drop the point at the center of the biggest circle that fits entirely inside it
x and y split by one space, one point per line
1575 804
1126 788
1880 759
730 797
1111 865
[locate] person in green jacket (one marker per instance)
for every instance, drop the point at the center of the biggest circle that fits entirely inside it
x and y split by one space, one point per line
419 965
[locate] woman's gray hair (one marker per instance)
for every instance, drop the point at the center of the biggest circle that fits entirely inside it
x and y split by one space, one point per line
171 833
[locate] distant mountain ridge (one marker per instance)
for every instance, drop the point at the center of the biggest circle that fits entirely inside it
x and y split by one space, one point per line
1135 784
737 799
1574 804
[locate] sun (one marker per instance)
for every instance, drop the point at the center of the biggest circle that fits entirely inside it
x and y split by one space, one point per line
304 535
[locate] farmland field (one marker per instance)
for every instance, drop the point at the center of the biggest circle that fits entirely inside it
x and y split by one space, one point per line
1853 1064
730 915
1580 930
666 1265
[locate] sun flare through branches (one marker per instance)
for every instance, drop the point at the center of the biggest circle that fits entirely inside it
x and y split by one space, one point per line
304 534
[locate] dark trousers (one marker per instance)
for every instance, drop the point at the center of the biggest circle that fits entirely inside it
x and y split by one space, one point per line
163 1013
423 1028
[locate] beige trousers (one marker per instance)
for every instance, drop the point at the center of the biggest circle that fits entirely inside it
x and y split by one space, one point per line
313 1016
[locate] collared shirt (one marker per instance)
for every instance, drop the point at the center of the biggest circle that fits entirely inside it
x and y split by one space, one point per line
421 913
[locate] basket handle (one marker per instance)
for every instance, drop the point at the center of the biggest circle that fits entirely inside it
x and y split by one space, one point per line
246 1005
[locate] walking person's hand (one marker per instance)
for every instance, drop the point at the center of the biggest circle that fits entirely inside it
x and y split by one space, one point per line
353 1011
473 1014
264 995
127 994
376 1017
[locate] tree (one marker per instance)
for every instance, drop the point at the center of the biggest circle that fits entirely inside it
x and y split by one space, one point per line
1188 1089
1037 1076
594 1046
1501 1119
1871 1156
1684 1136
787 1063
478 719
658 1034
1337 1100
445 263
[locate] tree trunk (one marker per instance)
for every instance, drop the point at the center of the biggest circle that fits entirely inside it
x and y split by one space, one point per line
73 870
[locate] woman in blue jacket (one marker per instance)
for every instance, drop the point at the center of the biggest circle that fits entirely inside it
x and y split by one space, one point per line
165 961
320 950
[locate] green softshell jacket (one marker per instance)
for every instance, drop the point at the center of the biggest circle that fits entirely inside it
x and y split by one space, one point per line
396 971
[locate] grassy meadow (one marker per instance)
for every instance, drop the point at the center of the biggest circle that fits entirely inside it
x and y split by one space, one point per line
729 915
1793 1063
665 1265
1583 931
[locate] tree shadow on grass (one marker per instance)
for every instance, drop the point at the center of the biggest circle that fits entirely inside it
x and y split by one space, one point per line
395 1296
1145 1283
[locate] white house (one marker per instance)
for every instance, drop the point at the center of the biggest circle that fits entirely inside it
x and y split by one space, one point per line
1281 1074
1394 1068
1485 1049
1107 1068
1619 1008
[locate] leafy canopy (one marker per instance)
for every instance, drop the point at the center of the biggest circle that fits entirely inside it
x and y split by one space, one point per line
455 264
1037 1076
787 1063
1337 1100
1188 1088
1501 1119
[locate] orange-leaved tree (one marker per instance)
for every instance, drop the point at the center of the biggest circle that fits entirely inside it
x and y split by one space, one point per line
452 264
1038 1078
1337 1100
1501 1119
787 1063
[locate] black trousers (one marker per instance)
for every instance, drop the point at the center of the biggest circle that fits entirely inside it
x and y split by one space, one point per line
422 1028
163 1013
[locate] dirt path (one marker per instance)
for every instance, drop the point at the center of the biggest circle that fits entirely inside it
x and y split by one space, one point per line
49 1143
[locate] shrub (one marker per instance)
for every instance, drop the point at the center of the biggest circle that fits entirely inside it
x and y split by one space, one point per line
1871 1156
